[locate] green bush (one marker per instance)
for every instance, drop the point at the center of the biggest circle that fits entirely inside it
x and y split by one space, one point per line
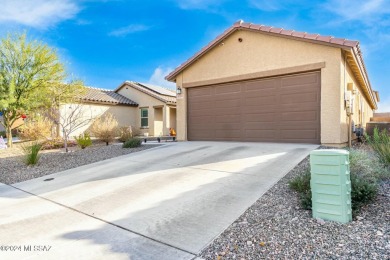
380 143
84 140
366 171
301 184
362 192
125 133
132 143
368 166
32 153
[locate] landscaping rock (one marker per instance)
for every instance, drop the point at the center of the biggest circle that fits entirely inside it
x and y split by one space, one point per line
13 169
286 231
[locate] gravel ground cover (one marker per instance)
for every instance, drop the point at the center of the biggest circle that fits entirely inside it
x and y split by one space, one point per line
276 227
13 170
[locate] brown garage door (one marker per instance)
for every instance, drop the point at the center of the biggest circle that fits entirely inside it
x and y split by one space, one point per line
280 109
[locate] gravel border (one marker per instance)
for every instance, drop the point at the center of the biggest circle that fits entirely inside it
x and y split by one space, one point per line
276 227
13 169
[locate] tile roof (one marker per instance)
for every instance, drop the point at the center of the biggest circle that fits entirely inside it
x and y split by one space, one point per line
315 38
106 96
160 93
351 46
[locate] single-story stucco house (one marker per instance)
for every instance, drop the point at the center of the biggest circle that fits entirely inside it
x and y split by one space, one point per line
148 109
260 83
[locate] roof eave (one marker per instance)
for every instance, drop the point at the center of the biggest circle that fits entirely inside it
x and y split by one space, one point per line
347 45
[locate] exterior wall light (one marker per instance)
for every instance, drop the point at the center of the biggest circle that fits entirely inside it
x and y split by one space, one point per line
178 90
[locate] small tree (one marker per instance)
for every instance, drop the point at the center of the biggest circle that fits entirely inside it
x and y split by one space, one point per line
27 72
105 128
70 118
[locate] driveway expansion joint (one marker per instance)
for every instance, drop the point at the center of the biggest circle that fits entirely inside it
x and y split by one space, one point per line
102 220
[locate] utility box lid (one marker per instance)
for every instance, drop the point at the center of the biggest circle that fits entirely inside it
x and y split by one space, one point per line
330 152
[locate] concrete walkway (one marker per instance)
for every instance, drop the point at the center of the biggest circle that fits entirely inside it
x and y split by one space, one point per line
163 203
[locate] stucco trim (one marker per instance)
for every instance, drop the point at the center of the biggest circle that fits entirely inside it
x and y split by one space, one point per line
261 74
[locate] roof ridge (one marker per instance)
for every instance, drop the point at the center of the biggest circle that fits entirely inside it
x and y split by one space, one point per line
240 24
98 88
148 91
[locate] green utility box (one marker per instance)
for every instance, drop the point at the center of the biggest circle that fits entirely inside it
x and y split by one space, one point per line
331 185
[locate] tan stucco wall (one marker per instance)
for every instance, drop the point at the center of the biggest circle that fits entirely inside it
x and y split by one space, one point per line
362 111
125 115
260 52
146 101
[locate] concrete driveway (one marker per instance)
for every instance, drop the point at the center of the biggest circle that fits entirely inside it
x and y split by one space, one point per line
168 202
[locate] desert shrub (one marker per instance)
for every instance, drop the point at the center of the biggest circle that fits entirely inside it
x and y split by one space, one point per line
105 128
362 192
57 144
365 171
125 133
380 143
83 140
368 166
132 143
301 184
37 129
32 153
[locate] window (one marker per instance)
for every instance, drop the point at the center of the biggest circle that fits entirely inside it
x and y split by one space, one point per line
144 118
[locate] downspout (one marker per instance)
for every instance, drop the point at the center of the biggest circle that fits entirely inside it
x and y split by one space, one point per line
348 113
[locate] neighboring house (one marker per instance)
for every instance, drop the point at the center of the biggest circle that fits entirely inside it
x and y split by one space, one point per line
97 102
260 83
156 107
148 109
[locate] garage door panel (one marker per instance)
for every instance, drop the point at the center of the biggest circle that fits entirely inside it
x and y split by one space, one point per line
253 101
228 118
255 85
228 133
299 134
200 120
228 89
231 103
203 135
300 116
261 108
226 111
282 109
259 117
196 92
298 98
260 134
261 125
303 79
260 93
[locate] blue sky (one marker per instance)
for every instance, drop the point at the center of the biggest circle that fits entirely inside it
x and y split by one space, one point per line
107 42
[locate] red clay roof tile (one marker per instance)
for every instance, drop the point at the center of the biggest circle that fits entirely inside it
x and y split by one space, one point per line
298 34
286 32
276 30
311 36
338 42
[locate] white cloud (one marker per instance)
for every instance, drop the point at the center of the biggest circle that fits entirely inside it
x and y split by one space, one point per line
158 78
37 13
365 11
132 28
